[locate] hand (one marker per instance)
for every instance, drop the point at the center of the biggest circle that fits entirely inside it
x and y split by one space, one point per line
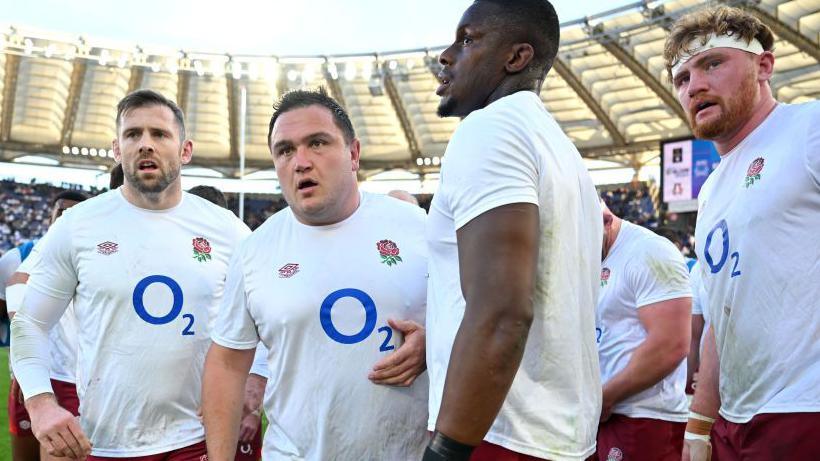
606 407
408 361
696 450
249 426
57 430
16 391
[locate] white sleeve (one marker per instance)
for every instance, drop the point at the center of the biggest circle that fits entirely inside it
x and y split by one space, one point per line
30 356
260 361
694 284
15 293
55 272
813 142
659 273
488 166
234 327
8 266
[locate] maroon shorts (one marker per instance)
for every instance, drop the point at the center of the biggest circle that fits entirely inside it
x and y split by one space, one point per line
491 452
19 421
625 438
787 436
196 452
251 451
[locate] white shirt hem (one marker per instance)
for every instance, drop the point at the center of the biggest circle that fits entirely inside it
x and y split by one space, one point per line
773 409
537 451
125 453
233 344
501 201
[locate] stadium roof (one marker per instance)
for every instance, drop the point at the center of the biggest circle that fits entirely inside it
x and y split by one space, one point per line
608 90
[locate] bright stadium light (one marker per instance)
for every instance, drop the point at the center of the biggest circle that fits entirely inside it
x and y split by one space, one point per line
350 71
123 60
393 64
92 152
104 56
49 52
84 151
66 150
155 67
292 75
419 161
236 70
75 150
29 46
199 68
436 161
173 65
333 71
427 161
102 153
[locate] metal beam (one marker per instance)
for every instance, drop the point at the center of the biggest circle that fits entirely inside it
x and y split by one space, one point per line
784 31
233 117
135 82
183 83
75 89
566 73
401 113
610 44
9 93
335 88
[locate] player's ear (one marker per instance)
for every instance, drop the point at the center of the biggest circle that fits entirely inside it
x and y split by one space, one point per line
115 146
187 151
355 154
521 57
766 66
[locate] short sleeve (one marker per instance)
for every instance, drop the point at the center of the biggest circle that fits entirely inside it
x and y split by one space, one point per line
659 273
55 273
8 266
488 164
695 284
813 142
234 327
260 361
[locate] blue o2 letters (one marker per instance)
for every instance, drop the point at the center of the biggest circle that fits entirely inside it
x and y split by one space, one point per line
176 308
715 267
369 322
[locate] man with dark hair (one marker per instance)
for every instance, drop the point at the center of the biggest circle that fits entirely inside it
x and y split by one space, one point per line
62 338
359 261
115 178
211 194
515 238
145 265
757 396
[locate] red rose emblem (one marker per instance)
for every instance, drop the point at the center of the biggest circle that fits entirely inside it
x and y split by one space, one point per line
201 245
389 252
387 248
605 274
756 167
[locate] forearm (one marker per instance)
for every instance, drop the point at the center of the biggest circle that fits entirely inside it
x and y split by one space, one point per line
650 363
254 392
485 358
29 355
693 359
223 392
707 395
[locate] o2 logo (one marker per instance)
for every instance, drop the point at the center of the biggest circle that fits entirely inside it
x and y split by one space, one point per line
176 308
598 333
715 267
369 321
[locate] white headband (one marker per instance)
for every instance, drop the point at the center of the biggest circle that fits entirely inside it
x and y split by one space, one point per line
716 41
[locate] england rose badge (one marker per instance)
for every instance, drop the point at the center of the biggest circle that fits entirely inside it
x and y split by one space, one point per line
753 173
389 252
202 249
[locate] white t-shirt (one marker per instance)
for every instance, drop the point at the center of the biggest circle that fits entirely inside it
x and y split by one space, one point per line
513 151
62 338
145 286
319 298
642 268
757 240
699 299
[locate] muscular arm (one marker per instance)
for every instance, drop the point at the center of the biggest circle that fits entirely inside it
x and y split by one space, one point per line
498 253
223 395
693 359
707 396
668 329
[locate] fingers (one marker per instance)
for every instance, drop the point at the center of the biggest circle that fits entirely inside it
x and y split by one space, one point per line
404 326
83 444
404 378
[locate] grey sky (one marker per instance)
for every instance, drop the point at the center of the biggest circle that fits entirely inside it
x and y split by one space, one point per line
263 27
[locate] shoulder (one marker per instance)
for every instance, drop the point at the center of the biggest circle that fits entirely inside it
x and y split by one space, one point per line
393 208
646 242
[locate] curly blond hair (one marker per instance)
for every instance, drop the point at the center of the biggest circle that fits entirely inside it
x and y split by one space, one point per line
718 21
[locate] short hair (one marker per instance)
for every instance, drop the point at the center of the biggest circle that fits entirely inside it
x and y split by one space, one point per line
116 177
73 195
211 194
146 98
719 20
298 99
534 22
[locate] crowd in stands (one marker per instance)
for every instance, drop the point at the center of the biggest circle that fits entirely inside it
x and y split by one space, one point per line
24 209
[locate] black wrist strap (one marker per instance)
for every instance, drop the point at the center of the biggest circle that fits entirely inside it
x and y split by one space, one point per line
443 448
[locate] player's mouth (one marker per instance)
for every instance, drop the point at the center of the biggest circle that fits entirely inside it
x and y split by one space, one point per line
702 109
306 185
147 165
444 80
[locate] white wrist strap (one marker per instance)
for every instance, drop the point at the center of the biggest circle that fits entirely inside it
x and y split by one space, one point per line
700 417
691 436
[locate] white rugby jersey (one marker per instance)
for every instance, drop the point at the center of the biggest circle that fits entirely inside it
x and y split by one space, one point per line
145 285
62 337
319 298
757 242
642 268
513 151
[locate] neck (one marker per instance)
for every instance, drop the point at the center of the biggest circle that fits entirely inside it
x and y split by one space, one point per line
509 86
610 237
163 200
762 109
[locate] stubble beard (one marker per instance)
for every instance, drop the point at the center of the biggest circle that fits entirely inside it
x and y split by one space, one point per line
153 187
735 111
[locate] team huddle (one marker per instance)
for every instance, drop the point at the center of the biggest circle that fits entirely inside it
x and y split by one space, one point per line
519 320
